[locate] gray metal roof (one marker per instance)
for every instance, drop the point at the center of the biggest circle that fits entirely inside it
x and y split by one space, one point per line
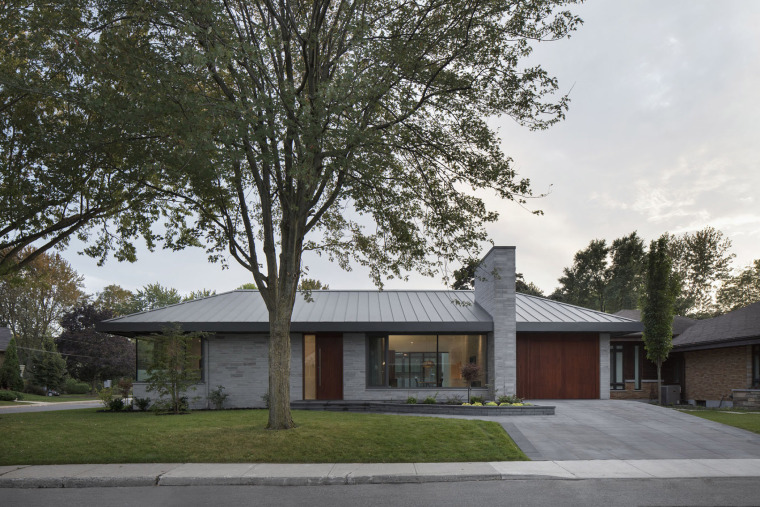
540 314
680 324
5 338
443 311
732 329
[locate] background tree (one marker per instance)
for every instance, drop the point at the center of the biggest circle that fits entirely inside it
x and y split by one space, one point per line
286 119
10 371
703 262
174 368
33 300
585 282
66 168
308 284
248 286
658 306
464 279
626 273
740 290
48 367
153 296
116 300
92 356
198 294
529 288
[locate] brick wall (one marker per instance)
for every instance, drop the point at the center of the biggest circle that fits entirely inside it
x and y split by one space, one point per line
648 391
711 374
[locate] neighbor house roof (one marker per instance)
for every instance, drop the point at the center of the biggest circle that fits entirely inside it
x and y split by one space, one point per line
367 311
5 338
680 324
739 327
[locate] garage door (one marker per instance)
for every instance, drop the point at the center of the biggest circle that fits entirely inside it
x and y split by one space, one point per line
557 366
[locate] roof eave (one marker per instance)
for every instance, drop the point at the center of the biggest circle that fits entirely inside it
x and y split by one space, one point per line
580 327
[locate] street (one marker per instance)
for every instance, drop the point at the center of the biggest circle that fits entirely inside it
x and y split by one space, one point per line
601 492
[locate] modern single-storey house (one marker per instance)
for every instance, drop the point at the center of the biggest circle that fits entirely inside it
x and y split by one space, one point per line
721 358
632 375
388 345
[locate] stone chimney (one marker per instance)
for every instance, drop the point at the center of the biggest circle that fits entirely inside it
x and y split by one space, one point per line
495 293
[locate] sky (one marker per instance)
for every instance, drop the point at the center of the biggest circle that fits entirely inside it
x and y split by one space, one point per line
662 135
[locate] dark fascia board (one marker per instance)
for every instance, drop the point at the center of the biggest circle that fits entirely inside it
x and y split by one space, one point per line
135 329
580 327
718 344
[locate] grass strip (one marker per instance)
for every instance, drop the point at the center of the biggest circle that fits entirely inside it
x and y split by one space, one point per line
234 436
744 420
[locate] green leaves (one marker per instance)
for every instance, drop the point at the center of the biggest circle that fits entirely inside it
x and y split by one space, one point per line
662 287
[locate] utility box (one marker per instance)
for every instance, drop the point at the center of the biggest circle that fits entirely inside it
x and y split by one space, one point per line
671 395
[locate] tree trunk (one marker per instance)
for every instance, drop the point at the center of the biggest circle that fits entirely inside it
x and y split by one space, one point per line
659 382
279 368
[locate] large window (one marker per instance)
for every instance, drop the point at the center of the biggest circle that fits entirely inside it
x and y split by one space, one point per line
419 361
756 366
146 350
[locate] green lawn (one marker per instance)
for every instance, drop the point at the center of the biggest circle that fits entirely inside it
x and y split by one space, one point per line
744 420
233 436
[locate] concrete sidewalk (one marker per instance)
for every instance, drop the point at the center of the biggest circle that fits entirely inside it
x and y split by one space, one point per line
263 474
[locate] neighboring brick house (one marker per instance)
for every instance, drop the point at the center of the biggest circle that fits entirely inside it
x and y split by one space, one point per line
5 339
721 358
632 375
388 345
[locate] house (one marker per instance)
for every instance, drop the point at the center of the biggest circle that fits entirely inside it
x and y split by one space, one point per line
632 375
721 358
5 340
388 345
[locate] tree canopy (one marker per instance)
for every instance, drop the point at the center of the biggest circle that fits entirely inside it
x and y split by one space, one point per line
354 129
741 289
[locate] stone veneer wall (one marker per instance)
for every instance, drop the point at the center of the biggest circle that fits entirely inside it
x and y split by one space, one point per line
239 362
746 398
495 292
355 378
712 374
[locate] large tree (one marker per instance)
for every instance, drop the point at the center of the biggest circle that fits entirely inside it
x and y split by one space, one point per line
48 366
658 306
90 355
357 129
703 260
10 372
33 300
71 162
740 290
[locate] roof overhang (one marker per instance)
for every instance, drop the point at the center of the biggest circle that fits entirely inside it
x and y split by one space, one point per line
580 327
139 328
738 342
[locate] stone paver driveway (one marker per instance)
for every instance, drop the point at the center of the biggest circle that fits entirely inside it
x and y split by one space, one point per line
616 429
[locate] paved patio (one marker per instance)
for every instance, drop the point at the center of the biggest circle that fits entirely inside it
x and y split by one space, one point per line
625 430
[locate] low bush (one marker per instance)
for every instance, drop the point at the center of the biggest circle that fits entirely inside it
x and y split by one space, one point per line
116 405
477 404
476 399
430 400
106 395
217 397
73 386
492 404
142 404
511 399
453 399
411 400
8 395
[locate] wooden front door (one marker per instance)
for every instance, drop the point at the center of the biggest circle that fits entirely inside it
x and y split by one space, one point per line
323 367
558 366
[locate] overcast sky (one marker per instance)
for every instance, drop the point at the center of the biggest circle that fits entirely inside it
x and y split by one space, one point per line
662 135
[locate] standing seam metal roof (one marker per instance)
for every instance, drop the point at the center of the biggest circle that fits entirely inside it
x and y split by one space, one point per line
362 311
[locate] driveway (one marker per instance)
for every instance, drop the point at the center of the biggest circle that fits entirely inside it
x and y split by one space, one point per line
617 429
49 407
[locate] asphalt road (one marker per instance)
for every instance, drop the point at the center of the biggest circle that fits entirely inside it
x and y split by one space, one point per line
49 407
599 492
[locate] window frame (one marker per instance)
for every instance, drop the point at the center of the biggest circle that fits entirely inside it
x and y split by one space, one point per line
201 361
614 349
386 337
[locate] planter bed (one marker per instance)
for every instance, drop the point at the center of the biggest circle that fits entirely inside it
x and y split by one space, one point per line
420 408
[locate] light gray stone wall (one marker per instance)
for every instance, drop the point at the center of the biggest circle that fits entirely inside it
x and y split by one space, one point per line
240 363
495 292
355 378
604 366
